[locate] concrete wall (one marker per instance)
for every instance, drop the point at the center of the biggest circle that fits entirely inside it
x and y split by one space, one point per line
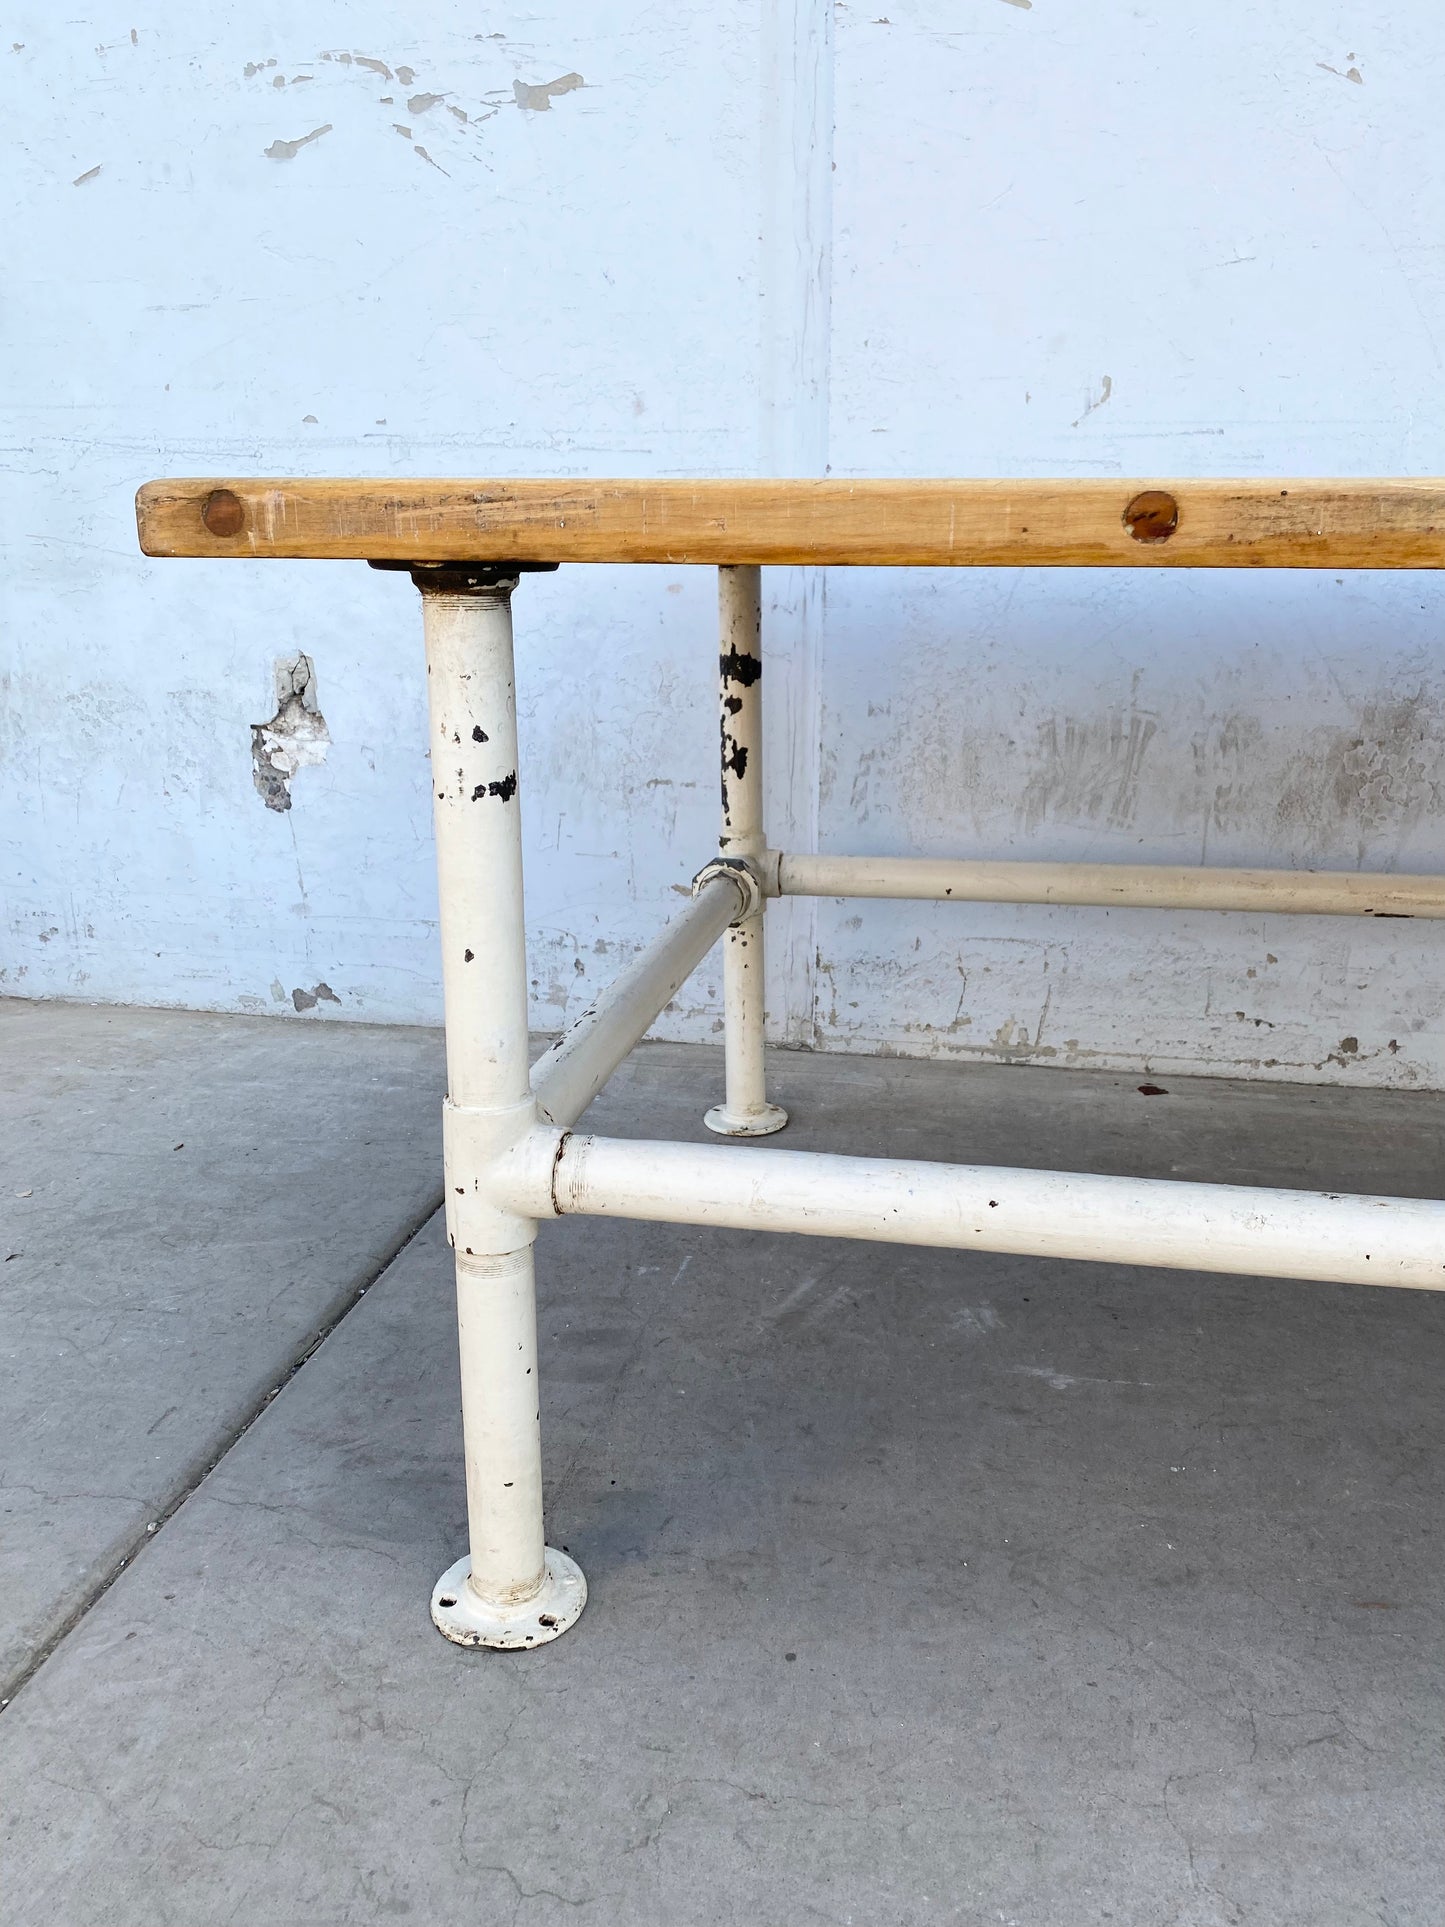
964 236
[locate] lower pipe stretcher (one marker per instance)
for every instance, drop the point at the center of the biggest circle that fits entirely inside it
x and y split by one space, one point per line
1331 1237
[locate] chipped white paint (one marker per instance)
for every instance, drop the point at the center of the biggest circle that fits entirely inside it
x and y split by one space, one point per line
941 303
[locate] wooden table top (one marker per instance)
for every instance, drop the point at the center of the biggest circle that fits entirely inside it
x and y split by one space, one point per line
1214 524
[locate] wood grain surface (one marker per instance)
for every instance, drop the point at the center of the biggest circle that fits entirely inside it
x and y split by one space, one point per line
1063 524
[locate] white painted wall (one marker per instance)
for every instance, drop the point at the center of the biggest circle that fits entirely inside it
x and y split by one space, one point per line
972 236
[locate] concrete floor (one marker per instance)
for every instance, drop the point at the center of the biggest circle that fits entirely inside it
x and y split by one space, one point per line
926 1587
186 1203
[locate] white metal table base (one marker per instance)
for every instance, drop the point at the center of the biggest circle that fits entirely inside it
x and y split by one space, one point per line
512 1157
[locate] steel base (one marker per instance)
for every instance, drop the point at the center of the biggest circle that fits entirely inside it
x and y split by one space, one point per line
772 1117
466 1620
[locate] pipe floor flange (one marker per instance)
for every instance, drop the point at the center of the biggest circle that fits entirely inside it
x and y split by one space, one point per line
772 1117
466 1620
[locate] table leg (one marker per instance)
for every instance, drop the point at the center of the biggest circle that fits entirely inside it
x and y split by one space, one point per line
745 1110
512 1590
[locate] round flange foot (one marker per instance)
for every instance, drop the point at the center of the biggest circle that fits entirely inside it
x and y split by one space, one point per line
467 1620
772 1117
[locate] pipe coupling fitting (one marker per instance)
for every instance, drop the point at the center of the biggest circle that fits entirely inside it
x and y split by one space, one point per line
740 871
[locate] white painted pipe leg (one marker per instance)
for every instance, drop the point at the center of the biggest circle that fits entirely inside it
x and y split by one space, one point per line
745 1110
511 1590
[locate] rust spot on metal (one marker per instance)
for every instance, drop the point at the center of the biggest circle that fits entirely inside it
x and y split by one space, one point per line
1152 516
562 1143
479 735
223 513
506 789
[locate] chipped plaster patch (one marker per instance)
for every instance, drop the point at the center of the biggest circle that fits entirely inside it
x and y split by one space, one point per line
295 737
308 999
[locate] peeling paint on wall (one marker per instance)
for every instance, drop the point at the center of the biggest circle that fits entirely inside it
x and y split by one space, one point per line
460 135
280 150
296 737
538 100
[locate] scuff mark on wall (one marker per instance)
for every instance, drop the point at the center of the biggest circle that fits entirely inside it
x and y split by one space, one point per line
1105 391
296 736
280 150
1380 773
538 100
1088 770
89 175
1239 772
